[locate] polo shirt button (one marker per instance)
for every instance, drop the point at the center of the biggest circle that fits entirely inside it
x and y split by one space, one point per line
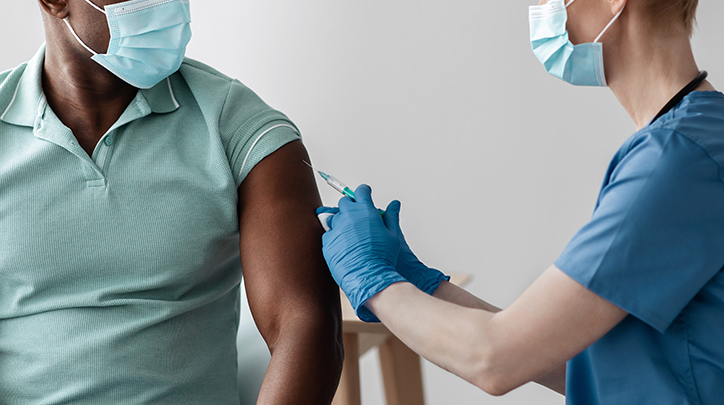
108 141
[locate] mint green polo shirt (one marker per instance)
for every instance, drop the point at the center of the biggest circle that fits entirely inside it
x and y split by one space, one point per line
120 271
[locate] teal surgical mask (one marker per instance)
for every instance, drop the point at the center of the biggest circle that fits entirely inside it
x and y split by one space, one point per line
148 39
580 65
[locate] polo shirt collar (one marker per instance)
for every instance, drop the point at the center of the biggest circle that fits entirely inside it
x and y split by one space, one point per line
161 97
25 101
25 105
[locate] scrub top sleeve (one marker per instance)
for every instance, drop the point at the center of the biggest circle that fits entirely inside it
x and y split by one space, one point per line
657 234
255 130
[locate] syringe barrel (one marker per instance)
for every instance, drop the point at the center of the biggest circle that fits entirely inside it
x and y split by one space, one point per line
336 184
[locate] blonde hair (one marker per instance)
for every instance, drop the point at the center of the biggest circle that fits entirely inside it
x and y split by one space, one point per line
665 13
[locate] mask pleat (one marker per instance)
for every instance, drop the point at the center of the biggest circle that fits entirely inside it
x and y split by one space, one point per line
580 64
151 19
148 40
556 62
181 34
165 60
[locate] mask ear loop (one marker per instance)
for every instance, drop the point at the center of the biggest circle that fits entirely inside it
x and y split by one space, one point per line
95 7
610 23
77 38
65 20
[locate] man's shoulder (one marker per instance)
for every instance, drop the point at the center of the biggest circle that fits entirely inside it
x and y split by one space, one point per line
202 76
9 81
14 73
225 97
194 67
210 85
4 75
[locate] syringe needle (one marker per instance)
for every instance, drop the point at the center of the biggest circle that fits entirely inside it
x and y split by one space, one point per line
336 184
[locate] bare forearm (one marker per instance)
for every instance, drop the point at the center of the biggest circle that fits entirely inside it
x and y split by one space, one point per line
451 293
554 379
305 366
444 333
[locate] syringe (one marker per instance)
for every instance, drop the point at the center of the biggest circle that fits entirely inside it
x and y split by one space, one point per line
338 185
333 182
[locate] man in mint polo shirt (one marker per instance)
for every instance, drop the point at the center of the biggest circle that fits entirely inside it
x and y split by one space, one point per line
134 187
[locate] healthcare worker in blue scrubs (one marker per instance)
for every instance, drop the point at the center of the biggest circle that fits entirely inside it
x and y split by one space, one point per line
632 311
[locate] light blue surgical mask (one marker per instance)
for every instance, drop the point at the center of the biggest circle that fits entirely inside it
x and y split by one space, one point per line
148 39
580 65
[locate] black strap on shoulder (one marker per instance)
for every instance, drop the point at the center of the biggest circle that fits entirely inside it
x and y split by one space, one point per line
680 95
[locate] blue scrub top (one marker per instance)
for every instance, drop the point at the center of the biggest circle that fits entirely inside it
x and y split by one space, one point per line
655 248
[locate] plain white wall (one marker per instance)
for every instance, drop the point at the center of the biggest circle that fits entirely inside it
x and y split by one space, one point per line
437 103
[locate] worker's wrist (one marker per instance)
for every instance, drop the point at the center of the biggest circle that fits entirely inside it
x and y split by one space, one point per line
378 302
376 279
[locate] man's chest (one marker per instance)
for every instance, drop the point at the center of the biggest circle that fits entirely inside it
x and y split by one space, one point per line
154 219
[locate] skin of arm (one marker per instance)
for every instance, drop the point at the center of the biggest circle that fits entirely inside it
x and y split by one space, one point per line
555 379
292 296
551 322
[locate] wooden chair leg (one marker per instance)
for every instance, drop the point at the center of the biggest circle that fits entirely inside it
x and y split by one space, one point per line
401 373
348 392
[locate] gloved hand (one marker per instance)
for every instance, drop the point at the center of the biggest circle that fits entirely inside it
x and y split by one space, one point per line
411 268
408 265
361 249
325 214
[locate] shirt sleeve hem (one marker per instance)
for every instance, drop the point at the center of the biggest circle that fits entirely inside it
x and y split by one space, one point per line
267 144
620 300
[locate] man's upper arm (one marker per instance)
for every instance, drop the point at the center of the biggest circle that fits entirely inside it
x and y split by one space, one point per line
285 273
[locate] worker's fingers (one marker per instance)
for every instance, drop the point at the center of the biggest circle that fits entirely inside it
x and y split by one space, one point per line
327 210
363 194
325 215
392 215
345 203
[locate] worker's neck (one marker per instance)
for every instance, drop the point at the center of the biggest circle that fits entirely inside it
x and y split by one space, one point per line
648 71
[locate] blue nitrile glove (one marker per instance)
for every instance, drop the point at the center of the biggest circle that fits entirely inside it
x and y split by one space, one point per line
325 214
411 268
361 249
408 265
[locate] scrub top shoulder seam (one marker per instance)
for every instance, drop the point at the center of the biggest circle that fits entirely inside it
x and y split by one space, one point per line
651 318
693 140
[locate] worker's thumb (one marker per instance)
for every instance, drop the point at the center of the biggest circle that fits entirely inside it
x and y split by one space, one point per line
392 215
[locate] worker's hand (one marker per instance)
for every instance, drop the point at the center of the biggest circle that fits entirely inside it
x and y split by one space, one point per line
412 269
408 265
325 215
361 249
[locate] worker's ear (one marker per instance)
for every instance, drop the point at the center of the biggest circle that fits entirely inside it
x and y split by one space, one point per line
55 8
616 5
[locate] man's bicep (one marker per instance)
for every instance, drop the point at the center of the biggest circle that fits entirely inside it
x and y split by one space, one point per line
280 243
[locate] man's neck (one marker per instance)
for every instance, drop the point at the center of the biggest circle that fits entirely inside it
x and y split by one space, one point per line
87 98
